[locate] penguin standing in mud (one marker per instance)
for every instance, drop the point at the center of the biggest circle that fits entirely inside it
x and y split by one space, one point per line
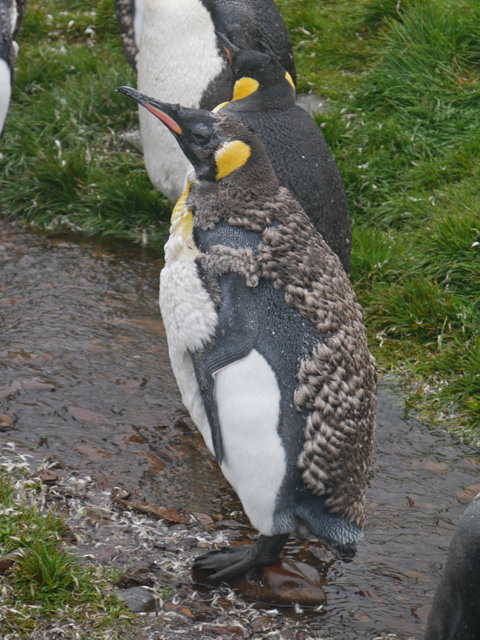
264 98
455 614
181 59
11 16
267 344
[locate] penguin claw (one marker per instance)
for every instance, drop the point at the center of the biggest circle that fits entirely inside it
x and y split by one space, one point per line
225 564
230 562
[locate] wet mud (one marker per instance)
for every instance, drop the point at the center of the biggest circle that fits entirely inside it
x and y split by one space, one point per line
85 383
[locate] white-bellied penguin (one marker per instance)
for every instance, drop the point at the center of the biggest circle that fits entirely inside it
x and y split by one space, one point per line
264 98
267 344
455 613
11 16
181 58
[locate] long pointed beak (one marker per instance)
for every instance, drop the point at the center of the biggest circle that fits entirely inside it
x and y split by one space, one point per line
228 46
162 110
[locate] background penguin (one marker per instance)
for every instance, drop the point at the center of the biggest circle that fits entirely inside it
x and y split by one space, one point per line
11 16
264 98
181 59
129 14
455 614
267 344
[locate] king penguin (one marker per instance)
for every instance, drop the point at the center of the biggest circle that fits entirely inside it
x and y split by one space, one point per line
267 344
264 98
455 614
181 59
11 16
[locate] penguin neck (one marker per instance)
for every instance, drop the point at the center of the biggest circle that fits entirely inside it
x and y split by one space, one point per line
234 195
270 98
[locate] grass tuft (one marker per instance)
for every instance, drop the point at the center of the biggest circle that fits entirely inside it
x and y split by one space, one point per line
46 582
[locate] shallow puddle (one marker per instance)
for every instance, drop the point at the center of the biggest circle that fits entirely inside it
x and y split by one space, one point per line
85 377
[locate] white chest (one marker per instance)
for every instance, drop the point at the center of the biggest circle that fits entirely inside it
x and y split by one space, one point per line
138 20
178 58
188 312
5 91
178 51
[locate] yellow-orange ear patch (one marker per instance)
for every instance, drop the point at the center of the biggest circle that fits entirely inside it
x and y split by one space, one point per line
289 79
244 87
230 157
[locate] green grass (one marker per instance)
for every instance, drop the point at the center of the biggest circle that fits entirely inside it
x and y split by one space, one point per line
402 78
64 164
409 152
46 582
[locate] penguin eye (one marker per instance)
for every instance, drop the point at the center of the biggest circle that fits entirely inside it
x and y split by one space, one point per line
199 137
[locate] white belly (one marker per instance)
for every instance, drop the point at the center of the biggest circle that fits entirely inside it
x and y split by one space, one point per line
5 91
138 20
248 401
178 58
190 319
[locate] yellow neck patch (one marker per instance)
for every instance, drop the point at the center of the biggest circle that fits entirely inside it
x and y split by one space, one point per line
244 87
231 156
182 217
289 79
219 106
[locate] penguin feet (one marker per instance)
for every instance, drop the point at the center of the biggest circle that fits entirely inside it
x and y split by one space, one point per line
227 563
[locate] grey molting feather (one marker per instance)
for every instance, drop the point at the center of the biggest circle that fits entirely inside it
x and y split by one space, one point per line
337 385
338 392
223 259
125 14
21 6
6 46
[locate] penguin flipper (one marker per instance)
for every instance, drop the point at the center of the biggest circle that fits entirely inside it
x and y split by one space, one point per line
235 337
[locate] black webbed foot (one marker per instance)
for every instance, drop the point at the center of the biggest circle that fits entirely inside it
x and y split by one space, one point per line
230 562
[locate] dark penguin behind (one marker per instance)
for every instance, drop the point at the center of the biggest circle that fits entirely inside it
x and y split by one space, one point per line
264 98
267 344
455 614
181 59
258 26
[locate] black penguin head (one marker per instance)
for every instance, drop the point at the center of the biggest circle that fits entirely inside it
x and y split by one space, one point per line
254 70
216 146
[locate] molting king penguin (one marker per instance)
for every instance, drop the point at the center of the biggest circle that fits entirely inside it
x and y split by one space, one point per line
455 614
264 98
11 16
267 344
181 58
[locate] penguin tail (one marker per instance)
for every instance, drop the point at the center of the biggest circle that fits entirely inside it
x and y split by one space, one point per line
335 531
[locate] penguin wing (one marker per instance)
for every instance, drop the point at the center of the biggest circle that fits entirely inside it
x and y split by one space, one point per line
236 335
